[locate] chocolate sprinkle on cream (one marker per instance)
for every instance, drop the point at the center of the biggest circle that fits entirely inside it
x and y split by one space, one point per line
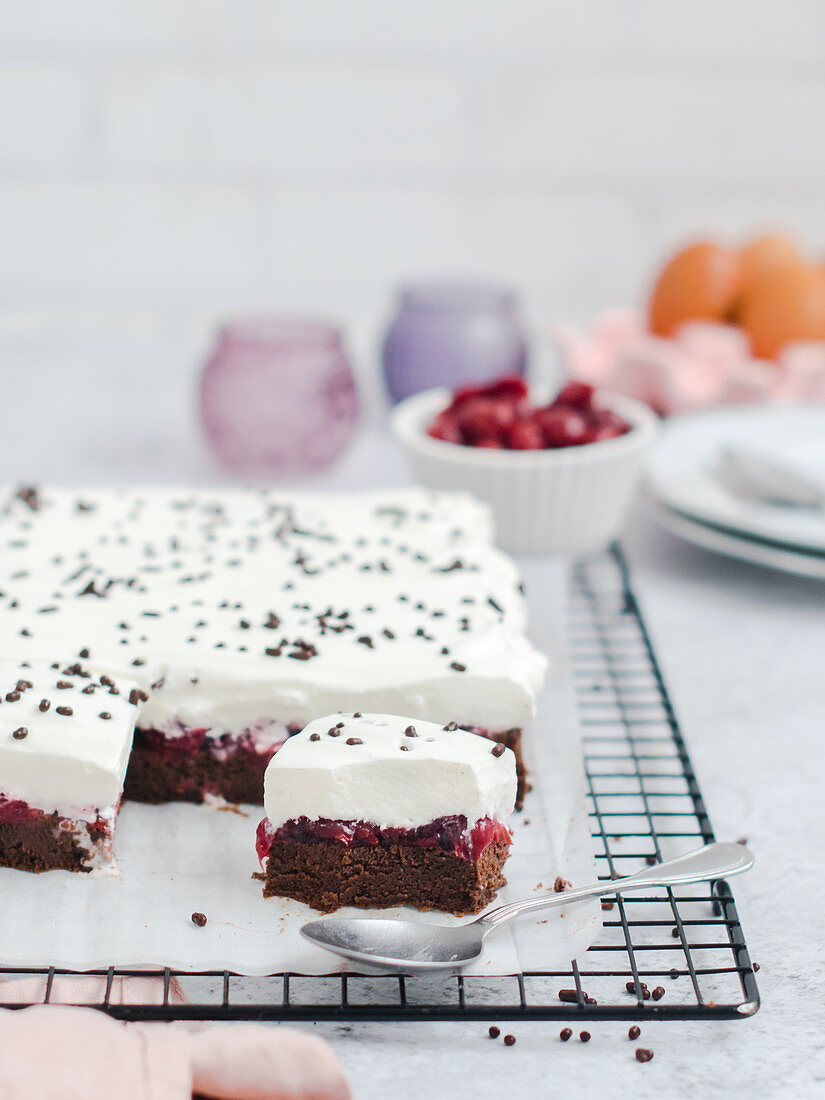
354 741
44 705
65 711
20 733
410 732
499 750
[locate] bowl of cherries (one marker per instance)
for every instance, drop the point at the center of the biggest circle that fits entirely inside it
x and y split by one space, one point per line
559 473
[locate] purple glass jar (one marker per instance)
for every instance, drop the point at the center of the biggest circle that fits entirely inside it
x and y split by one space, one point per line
277 395
450 335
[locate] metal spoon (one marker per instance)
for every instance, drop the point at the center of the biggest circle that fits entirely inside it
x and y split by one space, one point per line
410 945
757 477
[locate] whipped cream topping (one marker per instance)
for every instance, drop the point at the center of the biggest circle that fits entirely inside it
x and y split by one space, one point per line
238 608
65 737
392 772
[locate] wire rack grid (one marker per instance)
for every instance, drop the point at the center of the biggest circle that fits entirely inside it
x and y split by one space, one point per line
676 954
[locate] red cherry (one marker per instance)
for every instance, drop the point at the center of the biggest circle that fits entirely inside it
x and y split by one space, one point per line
465 393
603 417
562 427
484 416
525 435
606 431
576 395
511 386
445 427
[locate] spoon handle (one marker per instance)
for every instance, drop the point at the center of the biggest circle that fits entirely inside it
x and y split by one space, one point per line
714 861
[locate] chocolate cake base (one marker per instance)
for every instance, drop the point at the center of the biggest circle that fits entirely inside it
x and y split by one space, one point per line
40 845
328 874
155 775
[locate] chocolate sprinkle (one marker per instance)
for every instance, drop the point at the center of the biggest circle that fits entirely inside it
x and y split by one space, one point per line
493 1032
565 1034
354 741
410 732
105 715
499 750
509 1040
315 737
643 1055
458 667
634 1032
451 726
199 919
44 705
65 711
20 733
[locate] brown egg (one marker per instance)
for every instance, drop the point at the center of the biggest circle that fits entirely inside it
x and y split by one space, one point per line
782 307
700 283
766 255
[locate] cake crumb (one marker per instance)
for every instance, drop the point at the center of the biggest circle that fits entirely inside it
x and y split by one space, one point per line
560 885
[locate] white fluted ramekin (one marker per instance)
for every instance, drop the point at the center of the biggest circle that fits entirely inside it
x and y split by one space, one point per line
567 501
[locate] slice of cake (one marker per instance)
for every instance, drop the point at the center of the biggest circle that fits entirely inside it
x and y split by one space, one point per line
374 810
65 737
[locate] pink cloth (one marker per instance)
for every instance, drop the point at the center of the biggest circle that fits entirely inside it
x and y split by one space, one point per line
705 364
88 989
250 1062
56 1052
66 1052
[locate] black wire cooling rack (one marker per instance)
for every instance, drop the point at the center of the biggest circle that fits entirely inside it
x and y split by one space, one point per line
675 954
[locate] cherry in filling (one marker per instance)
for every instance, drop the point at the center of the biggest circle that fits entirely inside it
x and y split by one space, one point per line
450 834
13 811
176 749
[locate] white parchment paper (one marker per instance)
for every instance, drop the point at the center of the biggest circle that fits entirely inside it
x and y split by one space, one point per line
178 859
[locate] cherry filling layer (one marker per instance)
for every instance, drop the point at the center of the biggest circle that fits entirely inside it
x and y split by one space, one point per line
175 749
13 811
450 834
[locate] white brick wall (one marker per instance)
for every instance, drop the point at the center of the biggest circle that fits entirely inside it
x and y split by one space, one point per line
172 159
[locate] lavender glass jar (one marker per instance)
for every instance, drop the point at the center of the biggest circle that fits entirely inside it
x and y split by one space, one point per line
451 334
277 395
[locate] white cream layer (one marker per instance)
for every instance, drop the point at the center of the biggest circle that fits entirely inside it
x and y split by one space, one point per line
390 779
204 598
73 764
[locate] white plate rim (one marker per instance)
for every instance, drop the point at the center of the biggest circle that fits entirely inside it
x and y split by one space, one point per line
710 504
782 559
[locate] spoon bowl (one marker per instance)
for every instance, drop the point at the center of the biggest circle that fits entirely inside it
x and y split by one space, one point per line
411 945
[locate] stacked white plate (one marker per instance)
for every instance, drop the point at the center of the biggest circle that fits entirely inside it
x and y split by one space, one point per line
685 494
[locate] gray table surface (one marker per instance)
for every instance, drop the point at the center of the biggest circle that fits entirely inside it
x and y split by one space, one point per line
743 651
